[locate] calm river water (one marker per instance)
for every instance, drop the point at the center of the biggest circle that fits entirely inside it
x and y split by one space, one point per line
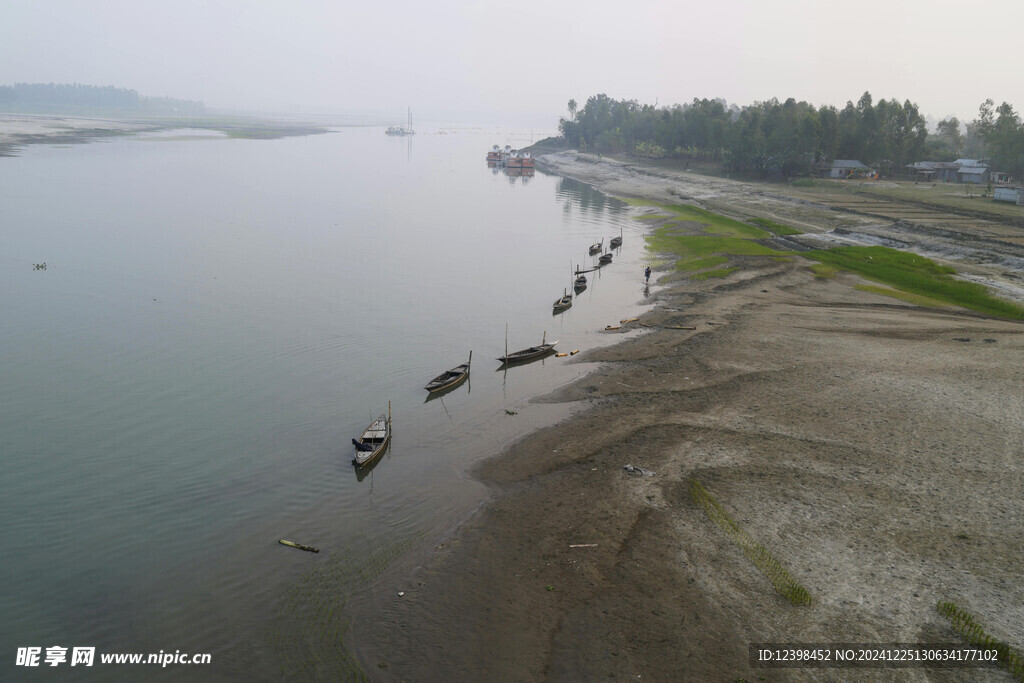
217 319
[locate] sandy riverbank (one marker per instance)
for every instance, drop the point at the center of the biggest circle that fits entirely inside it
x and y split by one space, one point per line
20 130
874 448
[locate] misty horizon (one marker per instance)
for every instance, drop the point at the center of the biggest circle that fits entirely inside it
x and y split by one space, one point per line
465 61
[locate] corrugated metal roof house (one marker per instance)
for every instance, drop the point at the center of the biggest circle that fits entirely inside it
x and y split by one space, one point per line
973 174
959 171
935 170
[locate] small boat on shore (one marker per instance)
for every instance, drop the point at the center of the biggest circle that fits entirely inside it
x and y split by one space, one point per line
451 378
616 242
373 440
563 303
596 247
605 259
528 354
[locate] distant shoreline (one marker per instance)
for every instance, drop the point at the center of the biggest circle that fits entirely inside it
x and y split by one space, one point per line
19 130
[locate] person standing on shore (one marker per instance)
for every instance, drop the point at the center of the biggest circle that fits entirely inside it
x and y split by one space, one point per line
647 274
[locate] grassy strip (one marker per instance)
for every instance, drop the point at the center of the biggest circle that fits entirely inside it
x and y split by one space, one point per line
691 247
777 228
716 224
975 634
719 272
702 263
915 299
755 552
917 275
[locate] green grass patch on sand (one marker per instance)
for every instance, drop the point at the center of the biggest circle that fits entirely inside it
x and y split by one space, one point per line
910 298
726 237
777 228
917 275
716 224
824 270
973 632
718 272
702 263
696 252
762 558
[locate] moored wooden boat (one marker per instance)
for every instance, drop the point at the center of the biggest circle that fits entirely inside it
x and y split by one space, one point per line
562 303
528 354
449 379
580 284
605 259
616 242
373 440
596 247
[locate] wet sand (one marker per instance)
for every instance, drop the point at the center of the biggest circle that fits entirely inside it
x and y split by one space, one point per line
20 130
873 447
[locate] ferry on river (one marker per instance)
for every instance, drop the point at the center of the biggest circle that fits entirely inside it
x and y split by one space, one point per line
509 158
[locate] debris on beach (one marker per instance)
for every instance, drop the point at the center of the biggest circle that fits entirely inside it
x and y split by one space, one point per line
632 469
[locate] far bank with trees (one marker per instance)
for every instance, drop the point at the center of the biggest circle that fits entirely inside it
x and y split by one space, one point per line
790 139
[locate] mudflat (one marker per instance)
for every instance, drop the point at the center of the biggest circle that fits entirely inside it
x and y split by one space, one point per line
872 447
20 130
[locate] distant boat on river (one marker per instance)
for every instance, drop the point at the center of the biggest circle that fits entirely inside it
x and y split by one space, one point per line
402 130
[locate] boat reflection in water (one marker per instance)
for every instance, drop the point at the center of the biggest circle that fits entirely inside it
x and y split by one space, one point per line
514 173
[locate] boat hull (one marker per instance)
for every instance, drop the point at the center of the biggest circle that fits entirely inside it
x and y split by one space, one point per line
526 355
377 435
440 384
450 379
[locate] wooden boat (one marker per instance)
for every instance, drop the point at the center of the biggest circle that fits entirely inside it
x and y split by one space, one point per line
563 303
616 242
596 247
605 259
373 441
447 380
580 284
528 354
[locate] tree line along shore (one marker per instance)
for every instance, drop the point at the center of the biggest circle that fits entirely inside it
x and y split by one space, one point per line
786 139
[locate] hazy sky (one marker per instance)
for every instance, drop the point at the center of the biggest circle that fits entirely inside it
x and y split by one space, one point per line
520 61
